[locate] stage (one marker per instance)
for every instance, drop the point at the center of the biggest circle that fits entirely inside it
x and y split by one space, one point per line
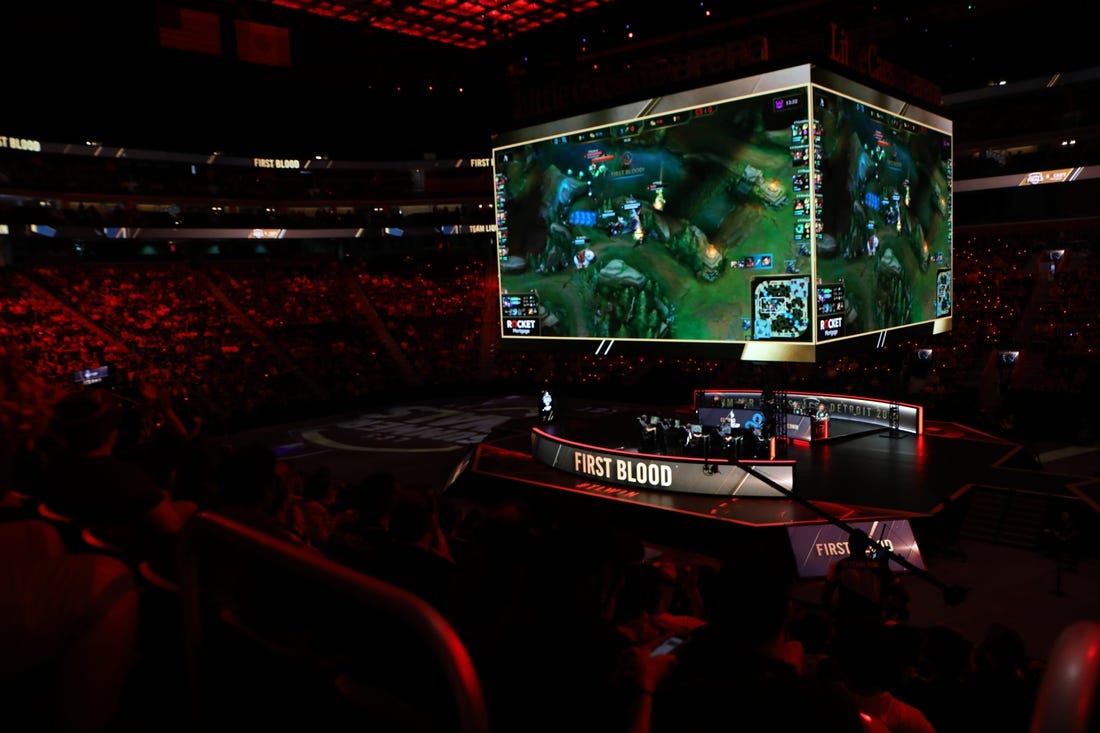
479 448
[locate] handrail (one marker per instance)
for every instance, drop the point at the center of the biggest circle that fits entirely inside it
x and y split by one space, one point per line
406 608
1070 688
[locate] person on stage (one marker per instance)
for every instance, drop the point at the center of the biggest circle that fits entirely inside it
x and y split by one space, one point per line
649 432
661 436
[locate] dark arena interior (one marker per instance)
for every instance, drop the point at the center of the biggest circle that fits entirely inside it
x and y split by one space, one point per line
509 366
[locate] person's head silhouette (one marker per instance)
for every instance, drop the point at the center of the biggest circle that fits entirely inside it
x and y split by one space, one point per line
88 421
858 543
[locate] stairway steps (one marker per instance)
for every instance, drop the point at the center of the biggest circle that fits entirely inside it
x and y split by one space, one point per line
1005 518
984 515
1023 522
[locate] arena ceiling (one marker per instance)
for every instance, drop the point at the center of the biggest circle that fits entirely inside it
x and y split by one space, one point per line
952 42
343 72
471 24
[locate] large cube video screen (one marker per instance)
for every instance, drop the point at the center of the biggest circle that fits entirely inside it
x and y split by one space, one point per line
772 213
883 219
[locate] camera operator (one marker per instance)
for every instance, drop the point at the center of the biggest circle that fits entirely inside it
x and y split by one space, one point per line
861 588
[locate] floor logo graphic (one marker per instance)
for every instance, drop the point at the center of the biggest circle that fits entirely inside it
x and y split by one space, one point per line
416 428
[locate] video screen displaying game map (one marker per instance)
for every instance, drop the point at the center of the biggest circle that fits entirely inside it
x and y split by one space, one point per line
884 218
691 225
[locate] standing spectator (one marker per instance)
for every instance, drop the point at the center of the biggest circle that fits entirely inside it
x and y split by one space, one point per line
1065 537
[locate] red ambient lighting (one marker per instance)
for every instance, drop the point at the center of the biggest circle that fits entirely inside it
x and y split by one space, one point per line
469 24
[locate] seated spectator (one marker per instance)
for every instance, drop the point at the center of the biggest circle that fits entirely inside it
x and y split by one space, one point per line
26 407
491 577
195 478
255 598
642 609
117 499
1002 681
361 531
940 689
739 672
68 628
548 656
417 556
813 629
290 484
857 649
249 493
310 516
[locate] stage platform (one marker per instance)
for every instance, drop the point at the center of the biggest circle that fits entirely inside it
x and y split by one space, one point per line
479 447
859 473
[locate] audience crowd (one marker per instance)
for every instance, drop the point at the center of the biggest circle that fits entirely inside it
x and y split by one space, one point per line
560 617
